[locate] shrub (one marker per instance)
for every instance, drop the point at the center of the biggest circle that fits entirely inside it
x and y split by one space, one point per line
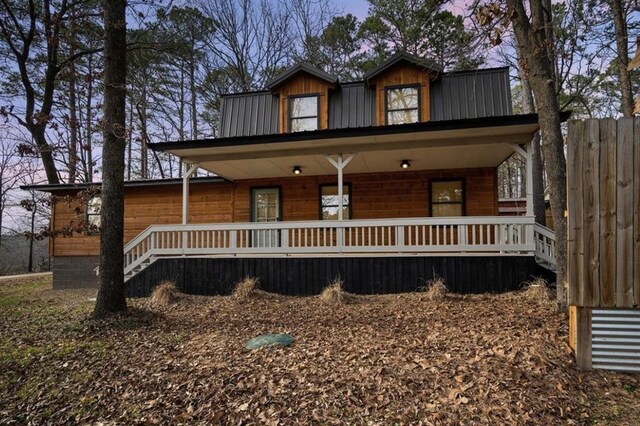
246 289
537 290
164 294
435 290
334 294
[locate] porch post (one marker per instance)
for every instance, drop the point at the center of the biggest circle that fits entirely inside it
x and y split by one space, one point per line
189 170
340 189
529 172
340 163
528 156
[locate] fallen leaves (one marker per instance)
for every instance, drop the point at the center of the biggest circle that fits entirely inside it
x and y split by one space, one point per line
380 360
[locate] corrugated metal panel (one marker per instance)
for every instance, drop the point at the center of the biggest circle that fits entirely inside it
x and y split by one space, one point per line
472 94
615 340
353 105
249 114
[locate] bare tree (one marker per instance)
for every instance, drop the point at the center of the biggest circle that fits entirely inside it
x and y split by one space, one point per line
30 32
11 172
251 41
531 23
622 49
111 295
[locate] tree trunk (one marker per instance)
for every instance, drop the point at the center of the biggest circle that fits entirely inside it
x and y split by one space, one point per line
535 62
528 106
620 23
111 294
194 103
142 113
31 240
130 142
73 127
89 144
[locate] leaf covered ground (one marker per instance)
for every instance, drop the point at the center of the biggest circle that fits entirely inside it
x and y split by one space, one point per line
380 360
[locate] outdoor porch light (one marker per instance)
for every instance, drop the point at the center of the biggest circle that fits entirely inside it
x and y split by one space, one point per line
405 164
297 170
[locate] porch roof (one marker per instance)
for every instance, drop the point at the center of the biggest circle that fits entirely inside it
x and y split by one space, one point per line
483 142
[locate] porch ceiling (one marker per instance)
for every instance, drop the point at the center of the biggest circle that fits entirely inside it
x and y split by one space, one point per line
466 147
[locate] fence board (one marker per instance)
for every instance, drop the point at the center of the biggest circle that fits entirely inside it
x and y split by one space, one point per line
636 220
607 212
624 231
603 234
591 213
574 231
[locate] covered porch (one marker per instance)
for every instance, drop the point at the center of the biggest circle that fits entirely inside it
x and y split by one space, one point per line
455 145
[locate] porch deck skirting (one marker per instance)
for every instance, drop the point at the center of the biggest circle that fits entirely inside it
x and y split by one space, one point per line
360 274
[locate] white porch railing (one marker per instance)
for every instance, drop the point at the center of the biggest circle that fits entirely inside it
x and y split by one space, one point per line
545 240
481 234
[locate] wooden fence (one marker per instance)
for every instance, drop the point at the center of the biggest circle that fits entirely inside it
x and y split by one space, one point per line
603 173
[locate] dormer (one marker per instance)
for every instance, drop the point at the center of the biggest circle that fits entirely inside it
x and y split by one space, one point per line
303 92
402 86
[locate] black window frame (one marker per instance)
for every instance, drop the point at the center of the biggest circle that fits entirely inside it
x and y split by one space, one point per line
88 215
344 184
402 86
291 99
463 203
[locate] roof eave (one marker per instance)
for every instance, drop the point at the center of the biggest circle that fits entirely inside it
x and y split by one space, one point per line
351 131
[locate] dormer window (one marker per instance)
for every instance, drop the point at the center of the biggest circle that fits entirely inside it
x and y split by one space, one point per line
303 113
403 104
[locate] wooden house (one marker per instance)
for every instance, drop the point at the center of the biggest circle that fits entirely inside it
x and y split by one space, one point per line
385 182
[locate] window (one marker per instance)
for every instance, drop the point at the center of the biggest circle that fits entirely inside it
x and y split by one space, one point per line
403 105
447 198
94 206
303 113
330 202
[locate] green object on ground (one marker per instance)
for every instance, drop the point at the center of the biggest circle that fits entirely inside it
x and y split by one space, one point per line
267 340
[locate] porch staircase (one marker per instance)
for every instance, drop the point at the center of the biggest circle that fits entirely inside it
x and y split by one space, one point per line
545 252
456 236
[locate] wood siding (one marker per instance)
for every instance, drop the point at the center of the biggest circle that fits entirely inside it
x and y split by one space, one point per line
304 84
403 74
374 196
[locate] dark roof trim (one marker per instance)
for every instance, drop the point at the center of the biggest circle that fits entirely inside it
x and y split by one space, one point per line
300 67
401 57
475 70
428 126
127 184
253 92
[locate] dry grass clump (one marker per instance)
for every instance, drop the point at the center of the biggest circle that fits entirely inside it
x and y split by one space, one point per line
334 294
164 294
246 289
537 290
435 290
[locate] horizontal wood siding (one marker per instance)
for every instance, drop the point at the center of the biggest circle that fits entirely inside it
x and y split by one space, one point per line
374 196
361 275
148 206
403 74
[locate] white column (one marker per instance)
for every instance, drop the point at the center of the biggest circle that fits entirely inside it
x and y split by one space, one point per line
340 163
529 182
528 157
189 170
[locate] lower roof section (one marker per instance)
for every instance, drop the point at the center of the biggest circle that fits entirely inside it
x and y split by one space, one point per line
449 144
70 187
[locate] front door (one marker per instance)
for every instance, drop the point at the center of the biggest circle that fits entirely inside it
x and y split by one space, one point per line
265 207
